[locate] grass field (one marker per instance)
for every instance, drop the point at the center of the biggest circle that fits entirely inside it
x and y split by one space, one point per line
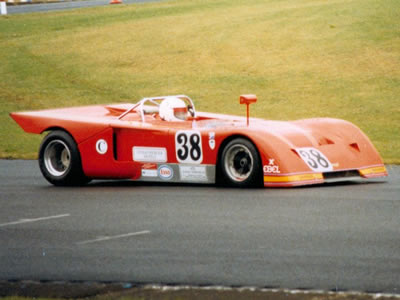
175 293
303 58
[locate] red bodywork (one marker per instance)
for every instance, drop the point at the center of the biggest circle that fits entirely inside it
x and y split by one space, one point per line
147 148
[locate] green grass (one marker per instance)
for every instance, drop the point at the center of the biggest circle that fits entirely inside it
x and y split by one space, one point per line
200 294
303 58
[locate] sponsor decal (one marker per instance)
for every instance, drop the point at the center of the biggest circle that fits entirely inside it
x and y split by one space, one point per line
165 172
101 146
188 146
317 161
149 154
211 140
193 173
271 168
149 170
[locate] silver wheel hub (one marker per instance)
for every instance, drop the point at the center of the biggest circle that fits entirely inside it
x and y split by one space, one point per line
238 162
57 158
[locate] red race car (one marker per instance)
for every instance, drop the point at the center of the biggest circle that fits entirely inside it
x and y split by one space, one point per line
165 139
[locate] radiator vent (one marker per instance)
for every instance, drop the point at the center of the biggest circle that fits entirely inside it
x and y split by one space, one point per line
341 174
325 141
355 146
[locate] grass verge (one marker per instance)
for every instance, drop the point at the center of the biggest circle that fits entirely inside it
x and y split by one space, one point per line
303 58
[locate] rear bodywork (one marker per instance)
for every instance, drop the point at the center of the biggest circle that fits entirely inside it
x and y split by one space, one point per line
117 142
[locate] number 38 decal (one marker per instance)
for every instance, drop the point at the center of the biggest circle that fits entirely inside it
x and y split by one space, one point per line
188 147
315 159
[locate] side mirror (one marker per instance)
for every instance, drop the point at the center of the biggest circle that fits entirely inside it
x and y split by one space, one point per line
248 99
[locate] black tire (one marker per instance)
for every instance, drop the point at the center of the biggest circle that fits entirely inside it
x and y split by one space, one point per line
60 160
240 164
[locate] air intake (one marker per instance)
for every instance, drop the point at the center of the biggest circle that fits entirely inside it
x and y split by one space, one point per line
341 175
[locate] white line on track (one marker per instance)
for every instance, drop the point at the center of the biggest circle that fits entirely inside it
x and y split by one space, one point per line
107 238
23 221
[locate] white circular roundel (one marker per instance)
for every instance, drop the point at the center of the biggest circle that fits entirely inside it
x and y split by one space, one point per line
101 146
165 172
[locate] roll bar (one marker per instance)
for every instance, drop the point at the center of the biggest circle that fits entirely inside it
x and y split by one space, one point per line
139 107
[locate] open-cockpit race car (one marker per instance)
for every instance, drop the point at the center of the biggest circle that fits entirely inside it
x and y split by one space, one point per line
165 139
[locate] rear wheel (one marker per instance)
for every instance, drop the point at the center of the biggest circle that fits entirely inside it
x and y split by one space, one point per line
60 161
240 164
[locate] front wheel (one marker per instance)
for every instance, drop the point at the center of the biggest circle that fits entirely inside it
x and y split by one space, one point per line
60 161
240 164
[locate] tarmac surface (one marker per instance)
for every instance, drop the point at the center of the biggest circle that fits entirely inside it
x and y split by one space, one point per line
63 5
329 237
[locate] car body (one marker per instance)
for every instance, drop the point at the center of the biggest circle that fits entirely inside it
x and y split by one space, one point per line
130 141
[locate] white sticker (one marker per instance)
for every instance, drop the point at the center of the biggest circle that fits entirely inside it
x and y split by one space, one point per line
149 170
188 146
149 154
165 172
193 173
211 140
101 146
211 143
149 173
315 159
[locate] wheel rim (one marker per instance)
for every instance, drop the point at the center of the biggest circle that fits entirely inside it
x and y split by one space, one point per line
57 158
238 162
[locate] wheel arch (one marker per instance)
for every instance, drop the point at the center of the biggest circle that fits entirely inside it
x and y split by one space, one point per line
59 128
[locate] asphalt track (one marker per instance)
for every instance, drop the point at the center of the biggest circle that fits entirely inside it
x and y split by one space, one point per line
332 237
64 5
